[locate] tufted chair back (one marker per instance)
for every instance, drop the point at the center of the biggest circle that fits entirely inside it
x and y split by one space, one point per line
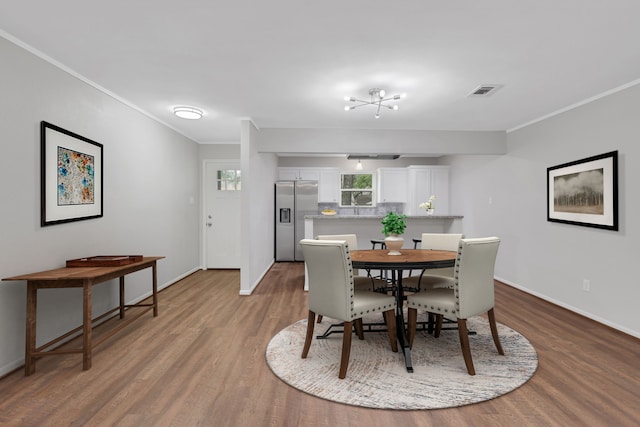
330 277
473 276
351 239
441 241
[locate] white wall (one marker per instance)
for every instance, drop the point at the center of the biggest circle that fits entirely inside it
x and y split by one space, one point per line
219 151
425 143
344 164
259 171
550 259
151 196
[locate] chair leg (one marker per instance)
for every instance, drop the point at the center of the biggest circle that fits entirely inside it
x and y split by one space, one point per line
307 341
359 330
430 322
390 320
319 318
464 343
494 331
436 333
412 320
346 349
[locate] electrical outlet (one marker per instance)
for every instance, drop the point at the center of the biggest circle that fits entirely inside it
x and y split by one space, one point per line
586 285
490 200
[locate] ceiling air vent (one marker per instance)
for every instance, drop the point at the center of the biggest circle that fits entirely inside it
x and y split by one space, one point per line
485 90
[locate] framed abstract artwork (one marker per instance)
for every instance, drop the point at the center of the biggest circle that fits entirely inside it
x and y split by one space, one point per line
70 176
584 192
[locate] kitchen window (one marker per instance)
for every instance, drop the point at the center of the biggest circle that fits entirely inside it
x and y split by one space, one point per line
357 189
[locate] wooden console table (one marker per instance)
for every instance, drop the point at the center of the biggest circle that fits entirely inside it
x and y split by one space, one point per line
85 278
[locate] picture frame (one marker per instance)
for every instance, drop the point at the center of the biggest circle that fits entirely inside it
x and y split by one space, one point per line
70 177
584 192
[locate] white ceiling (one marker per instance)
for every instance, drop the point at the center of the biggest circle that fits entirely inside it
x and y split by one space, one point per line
289 63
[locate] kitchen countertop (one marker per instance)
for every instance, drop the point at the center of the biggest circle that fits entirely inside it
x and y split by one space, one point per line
379 217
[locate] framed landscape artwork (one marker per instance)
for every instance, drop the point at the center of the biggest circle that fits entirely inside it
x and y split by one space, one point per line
70 176
584 192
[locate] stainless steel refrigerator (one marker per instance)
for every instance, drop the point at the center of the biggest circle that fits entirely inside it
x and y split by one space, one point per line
294 200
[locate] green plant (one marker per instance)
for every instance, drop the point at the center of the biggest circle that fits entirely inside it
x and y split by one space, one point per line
393 223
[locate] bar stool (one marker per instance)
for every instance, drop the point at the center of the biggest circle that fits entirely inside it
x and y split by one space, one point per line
380 242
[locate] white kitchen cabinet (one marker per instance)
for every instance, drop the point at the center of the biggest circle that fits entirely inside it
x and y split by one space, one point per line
298 174
392 185
424 182
329 185
328 180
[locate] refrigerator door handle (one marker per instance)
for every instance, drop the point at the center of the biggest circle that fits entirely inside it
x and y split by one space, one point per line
285 215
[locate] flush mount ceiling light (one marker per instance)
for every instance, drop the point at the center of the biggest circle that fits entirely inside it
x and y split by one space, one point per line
377 99
189 113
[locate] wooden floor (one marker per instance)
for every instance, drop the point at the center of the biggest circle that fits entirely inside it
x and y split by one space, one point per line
202 363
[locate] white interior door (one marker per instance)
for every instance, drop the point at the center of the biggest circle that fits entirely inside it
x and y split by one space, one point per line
222 214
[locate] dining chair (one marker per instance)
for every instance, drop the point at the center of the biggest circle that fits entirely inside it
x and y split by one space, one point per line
332 293
472 294
436 277
362 283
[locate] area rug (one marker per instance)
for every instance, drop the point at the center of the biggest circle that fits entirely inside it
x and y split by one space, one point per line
377 377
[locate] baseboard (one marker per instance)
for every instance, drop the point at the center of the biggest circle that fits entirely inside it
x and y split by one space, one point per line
586 314
10 367
166 284
257 282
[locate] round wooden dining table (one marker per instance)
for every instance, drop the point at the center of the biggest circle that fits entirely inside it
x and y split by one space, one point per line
410 259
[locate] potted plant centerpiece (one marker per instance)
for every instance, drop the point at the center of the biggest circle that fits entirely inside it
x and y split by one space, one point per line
393 226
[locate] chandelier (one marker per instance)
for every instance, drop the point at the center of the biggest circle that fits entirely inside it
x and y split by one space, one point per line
377 99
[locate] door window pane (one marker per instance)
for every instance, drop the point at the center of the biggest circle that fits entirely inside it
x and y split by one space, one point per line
228 180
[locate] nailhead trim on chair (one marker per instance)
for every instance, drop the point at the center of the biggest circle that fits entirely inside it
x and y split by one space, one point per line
456 288
431 307
381 308
385 307
352 288
455 276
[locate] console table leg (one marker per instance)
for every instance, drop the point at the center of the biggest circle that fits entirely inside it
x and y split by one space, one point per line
86 326
122 297
30 339
154 270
